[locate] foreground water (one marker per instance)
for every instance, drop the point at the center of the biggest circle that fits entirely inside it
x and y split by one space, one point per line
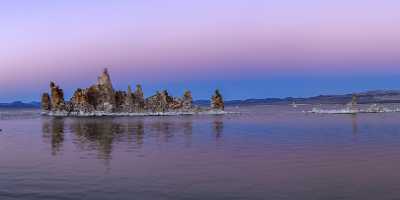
267 152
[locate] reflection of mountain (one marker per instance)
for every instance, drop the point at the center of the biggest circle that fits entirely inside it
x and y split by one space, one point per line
103 135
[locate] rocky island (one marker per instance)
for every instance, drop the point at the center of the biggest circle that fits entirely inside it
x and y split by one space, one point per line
101 99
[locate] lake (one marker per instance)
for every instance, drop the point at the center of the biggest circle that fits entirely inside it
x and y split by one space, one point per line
265 152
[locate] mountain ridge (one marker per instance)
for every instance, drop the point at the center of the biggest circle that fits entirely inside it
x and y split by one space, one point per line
372 96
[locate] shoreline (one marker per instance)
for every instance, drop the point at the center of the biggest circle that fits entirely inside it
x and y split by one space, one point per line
124 114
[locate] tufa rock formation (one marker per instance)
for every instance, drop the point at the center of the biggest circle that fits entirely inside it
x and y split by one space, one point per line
139 101
187 101
80 102
57 97
217 102
101 98
354 100
46 105
353 103
103 93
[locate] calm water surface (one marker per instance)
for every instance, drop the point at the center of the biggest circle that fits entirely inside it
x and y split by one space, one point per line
267 152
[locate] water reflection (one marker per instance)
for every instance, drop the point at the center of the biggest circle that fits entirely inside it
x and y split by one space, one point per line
162 130
354 124
99 134
102 135
203 156
136 128
218 126
188 131
53 131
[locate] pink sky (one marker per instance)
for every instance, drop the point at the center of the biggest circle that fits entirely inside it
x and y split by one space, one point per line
147 40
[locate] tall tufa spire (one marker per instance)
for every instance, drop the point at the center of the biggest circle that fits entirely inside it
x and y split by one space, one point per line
354 102
102 99
217 102
129 90
104 79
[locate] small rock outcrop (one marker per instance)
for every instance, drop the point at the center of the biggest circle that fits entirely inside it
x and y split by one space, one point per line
187 101
102 98
139 101
160 102
80 102
353 105
128 101
354 100
217 102
46 104
57 98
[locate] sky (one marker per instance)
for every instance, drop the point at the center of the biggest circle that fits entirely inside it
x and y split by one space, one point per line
247 49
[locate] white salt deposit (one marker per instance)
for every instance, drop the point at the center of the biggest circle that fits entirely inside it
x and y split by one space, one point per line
374 108
101 113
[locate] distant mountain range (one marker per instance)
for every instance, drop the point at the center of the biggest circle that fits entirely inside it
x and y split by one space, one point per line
376 96
20 104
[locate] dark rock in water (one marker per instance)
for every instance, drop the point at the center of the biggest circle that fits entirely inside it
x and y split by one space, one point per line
139 101
183 104
93 95
217 102
128 103
104 93
57 98
102 98
120 100
354 100
187 101
159 102
80 102
46 104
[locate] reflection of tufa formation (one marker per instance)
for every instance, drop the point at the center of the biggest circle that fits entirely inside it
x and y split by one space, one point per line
102 98
102 134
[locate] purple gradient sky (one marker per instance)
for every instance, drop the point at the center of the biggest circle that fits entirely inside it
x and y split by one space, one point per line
270 48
